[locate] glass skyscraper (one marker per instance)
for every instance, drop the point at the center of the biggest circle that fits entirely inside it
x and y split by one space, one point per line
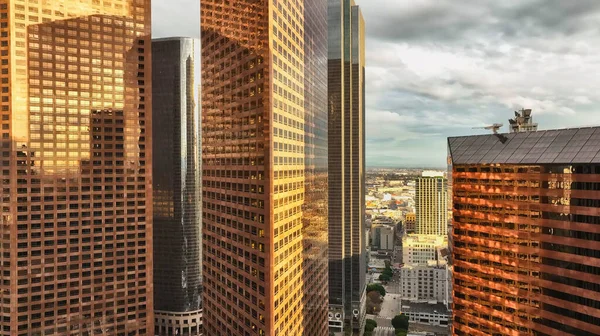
176 182
346 104
264 157
526 233
75 154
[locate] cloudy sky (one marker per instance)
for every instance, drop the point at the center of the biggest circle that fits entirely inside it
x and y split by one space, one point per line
438 68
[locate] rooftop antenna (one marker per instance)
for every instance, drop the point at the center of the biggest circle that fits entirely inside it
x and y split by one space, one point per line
494 128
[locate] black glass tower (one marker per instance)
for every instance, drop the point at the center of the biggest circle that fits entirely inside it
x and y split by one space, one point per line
346 101
176 178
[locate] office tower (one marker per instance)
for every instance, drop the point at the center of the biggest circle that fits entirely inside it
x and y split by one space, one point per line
75 221
176 183
526 233
264 183
431 192
347 249
522 122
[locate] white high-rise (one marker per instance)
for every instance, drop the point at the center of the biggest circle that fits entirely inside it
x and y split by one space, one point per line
430 203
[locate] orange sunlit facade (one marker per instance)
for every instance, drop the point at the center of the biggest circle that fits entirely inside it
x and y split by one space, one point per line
526 234
264 153
75 221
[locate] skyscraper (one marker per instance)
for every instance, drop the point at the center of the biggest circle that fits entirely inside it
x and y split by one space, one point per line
346 94
526 235
431 192
176 183
76 210
264 183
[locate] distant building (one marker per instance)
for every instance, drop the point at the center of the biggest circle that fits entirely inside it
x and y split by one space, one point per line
410 223
431 195
420 249
526 252
383 237
523 122
176 187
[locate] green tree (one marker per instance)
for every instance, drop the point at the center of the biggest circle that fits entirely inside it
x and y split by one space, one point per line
376 287
370 325
385 277
400 322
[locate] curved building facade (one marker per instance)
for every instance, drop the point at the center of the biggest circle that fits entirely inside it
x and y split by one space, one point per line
526 233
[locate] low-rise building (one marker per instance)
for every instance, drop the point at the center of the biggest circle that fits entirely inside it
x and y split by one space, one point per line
431 314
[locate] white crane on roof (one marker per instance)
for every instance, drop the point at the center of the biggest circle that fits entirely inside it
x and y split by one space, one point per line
494 128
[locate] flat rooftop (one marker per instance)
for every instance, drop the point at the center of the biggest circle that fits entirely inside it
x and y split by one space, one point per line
564 146
423 307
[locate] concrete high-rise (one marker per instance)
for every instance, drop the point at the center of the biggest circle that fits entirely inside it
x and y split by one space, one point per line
264 183
176 188
347 246
76 158
526 233
431 194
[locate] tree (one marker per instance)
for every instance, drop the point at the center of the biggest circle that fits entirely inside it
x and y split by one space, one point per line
370 325
400 322
376 287
374 296
385 277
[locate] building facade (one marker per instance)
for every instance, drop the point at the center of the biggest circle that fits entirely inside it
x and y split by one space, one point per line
429 282
410 223
383 237
346 101
425 313
421 249
264 183
76 158
176 189
526 250
431 194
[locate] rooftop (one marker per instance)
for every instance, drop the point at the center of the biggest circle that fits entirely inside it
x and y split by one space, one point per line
423 307
564 146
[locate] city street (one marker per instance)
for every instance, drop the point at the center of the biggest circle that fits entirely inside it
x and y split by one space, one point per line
391 305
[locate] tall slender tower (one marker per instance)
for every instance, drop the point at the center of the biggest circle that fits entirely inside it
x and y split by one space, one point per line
75 154
176 182
264 183
346 97
431 201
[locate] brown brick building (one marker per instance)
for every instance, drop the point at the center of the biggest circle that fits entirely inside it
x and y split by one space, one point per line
526 233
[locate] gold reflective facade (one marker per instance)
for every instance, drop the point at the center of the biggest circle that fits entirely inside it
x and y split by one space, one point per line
264 146
76 209
526 234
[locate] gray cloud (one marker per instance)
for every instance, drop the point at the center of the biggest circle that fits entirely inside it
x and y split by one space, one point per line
438 68
449 21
